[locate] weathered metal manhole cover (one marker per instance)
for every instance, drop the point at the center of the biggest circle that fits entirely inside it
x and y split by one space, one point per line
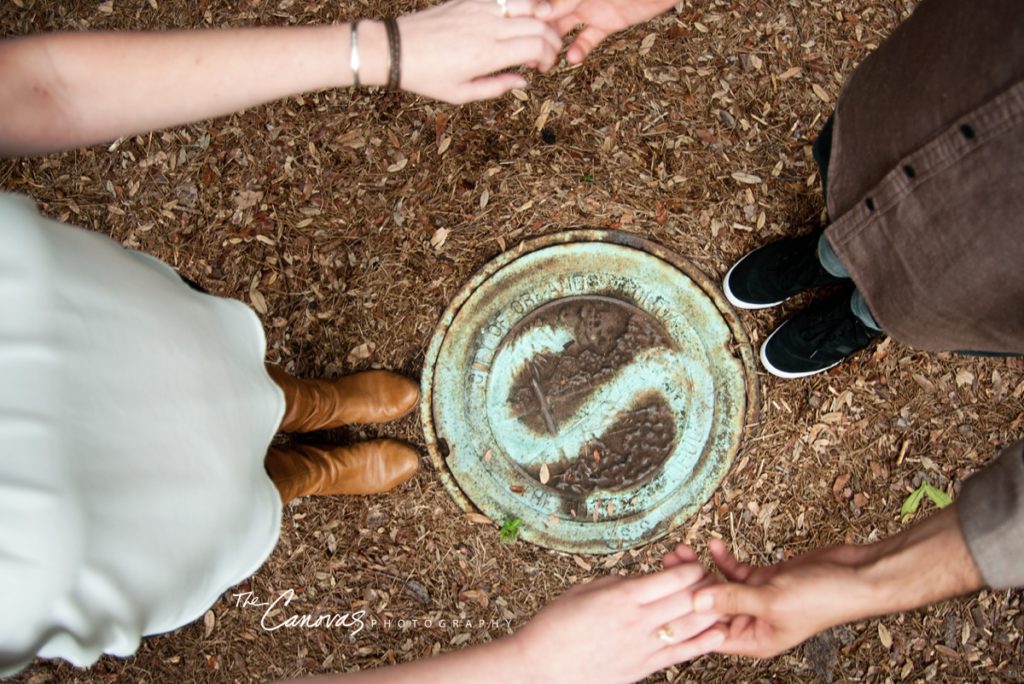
590 383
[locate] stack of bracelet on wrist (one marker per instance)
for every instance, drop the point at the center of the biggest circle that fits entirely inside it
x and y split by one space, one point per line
394 54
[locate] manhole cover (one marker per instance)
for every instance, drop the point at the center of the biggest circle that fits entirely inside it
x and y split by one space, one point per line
591 384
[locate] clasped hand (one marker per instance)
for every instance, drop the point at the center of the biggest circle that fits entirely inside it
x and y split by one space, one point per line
621 629
458 51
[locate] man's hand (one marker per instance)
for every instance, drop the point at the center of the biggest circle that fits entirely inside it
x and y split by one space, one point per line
601 18
780 606
775 608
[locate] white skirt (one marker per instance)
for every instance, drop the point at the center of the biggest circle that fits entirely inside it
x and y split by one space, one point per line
135 414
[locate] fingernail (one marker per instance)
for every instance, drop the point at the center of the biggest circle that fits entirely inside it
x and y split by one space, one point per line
703 602
542 10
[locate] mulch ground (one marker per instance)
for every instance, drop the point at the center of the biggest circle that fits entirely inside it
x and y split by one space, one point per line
348 221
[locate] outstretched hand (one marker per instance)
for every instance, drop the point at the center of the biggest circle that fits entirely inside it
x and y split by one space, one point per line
452 52
774 608
607 631
600 18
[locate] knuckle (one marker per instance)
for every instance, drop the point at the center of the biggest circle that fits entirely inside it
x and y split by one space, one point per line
627 592
726 600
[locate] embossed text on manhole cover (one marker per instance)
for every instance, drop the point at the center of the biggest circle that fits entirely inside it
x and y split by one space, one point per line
590 383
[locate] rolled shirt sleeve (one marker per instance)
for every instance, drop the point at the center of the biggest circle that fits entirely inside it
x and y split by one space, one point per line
991 509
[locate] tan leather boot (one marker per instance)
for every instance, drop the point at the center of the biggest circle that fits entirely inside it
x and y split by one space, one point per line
366 397
363 468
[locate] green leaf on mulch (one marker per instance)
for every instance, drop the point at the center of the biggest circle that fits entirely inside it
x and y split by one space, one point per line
913 502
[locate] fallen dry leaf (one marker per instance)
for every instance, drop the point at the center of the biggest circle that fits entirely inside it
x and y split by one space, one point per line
884 636
246 199
209 621
259 302
790 73
475 595
647 43
361 352
748 178
478 519
964 377
437 241
839 484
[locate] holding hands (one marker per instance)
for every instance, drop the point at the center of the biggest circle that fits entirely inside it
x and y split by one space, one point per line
771 609
455 49
600 19
452 52
620 629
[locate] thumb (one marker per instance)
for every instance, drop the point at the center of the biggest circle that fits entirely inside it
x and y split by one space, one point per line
731 599
586 40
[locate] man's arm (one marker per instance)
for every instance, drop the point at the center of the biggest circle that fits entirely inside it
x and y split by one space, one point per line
977 542
67 90
778 607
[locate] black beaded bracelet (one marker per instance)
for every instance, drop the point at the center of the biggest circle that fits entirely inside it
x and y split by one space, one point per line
395 53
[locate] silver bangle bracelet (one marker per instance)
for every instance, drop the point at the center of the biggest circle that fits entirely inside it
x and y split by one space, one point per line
353 53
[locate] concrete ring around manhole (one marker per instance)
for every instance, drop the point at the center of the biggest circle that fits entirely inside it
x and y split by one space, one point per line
590 383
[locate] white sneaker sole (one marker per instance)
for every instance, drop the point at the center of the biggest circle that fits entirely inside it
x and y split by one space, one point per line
736 301
789 375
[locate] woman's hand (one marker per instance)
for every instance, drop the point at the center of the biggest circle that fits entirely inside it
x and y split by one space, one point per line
451 52
607 632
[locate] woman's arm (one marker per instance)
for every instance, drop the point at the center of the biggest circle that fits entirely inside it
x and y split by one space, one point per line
614 630
73 89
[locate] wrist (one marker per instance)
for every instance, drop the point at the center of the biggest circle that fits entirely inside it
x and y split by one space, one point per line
926 563
513 658
373 53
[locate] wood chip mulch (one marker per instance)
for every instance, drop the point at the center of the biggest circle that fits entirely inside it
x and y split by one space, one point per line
348 221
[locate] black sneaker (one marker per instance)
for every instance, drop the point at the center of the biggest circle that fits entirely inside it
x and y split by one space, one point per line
816 339
772 274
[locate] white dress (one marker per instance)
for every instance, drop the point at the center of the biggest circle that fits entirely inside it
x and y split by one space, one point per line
135 414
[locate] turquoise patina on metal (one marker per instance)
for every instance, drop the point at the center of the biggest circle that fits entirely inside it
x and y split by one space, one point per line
590 383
